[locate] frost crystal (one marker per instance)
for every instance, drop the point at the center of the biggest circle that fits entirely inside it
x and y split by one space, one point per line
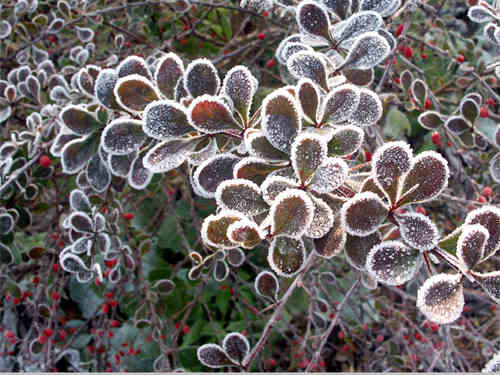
470 245
291 213
310 65
166 119
418 231
201 78
286 256
369 50
369 109
330 175
363 214
441 298
308 153
266 284
322 219
392 263
240 195
123 136
340 103
489 218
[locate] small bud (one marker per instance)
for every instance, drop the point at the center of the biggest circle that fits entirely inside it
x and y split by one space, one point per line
105 308
183 41
408 52
341 335
368 156
490 101
48 332
55 267
9 334
265 13
127 44
399 30
115 323
272 362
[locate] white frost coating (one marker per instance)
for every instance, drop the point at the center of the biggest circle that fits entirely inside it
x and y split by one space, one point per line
441 298
242 89
384 7
323 220
84 34
224 213
294 38
493 364
131 63
68 126
370 222
237 226
369 50
72 263
299 252
241 205
139 176
305 64
204 350
79 201
494 167
298 224
165 124
472 239
309 21
273 277
330 175
418 231
251 136
312 158
196 184
121 143
209 127
274 185
480 14
189 80
339 103
85 221
393 263
226 345
369 109
276 134
133 77
489 212
5 29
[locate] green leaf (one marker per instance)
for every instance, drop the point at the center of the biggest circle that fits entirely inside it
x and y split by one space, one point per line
88 301
396 125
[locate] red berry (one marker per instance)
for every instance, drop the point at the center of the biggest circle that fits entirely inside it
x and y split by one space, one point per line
55 295
128 216
114 323
55 267
183 41
105 308
341 335
399 30
484 112
490 102
368 156
113 303
44 161
460 58
231 290
110 334
418 336
48 332
466 309
127 44
185 329
332 315
53 236
265 13
493 307
272 362
380 338
481 199
397 80
261 36
424 56
52 39
487 192
408 52
435 327
421 210
346 348
223 287
62 334
364 327
226 52
427 103
9 334
270 63
186 27
436 138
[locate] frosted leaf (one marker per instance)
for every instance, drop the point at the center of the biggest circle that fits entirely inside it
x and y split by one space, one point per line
169 154
235 257
5 112
168 72
180 91
345 140
213 356
490 32
292 48
339 104
221 270
77 153
488 217
133 65
80 222
10 93
369 50
207 151
212 172
392 263
430 172
308 153
309 97
286 256
119 165
6 224
330 175
363 214
59 93
201 78
369 110
310 65
134 92
86 83
294 38
72 263
245 233
254 169
358 24
333 241
480 14
33 86
236 347
84 34
139 176
356 249
480 141
389 163
83 245
79 120
493 364
240 85
291 213
98 175
79 201
123 136
215 227
104 88
494 168
240 195
166 119
338 7
266 284
419 91
313 19
5 255
471 243
359 77
281 119
5 29
441 298
418 231
430 120
323 220
457 124
384 7
257 145
56 25
274 185
210 115
469 109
